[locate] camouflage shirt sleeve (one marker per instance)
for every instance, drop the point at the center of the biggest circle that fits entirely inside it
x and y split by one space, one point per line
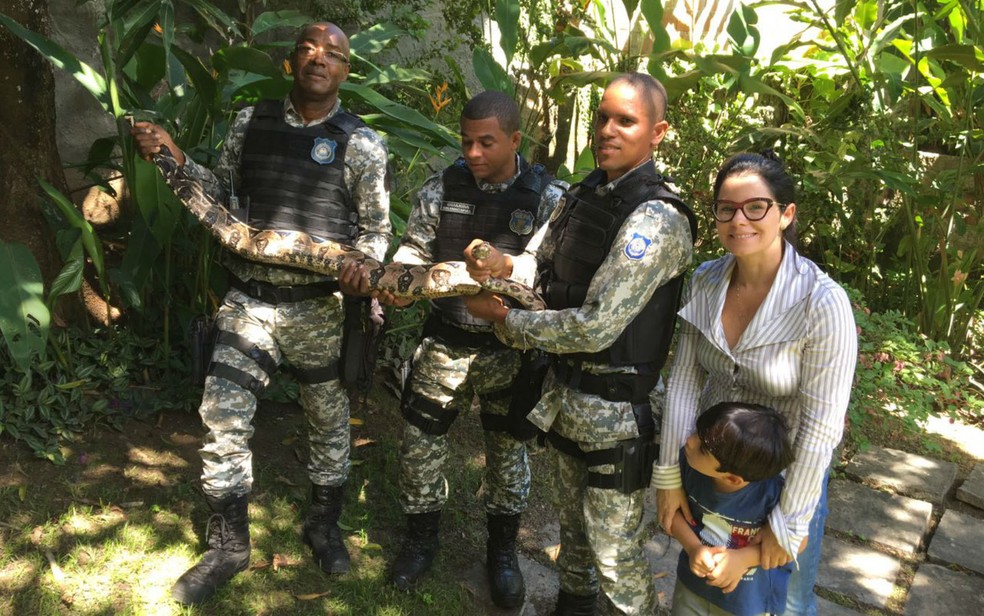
365 177
652 247
417 244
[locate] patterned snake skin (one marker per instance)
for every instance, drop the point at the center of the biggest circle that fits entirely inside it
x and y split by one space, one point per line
295 249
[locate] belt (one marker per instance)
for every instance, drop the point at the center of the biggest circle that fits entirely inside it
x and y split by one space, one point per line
436 327
633 388
274 294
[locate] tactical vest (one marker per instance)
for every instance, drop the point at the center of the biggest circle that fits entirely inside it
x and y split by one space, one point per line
294 177
585 232
506 220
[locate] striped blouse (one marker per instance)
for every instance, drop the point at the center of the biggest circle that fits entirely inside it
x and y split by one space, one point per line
797 355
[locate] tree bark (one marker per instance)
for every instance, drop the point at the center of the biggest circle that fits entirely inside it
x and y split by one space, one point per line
27 138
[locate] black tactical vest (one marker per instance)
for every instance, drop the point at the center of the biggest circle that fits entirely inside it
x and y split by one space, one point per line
584 232
294 178
506 220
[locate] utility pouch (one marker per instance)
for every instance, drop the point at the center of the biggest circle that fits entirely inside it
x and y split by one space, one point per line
362 336
201 336
527 389
636 466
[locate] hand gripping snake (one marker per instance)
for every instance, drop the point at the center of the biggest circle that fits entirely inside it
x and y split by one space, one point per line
296 249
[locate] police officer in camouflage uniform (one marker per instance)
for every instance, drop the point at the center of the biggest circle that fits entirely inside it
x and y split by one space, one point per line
303 164
611 262
490 192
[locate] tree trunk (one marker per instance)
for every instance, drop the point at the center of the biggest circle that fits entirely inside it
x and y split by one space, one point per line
27 138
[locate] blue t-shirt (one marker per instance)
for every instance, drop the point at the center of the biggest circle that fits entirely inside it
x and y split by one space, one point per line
732 519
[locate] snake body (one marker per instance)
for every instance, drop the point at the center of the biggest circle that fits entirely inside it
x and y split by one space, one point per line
296 249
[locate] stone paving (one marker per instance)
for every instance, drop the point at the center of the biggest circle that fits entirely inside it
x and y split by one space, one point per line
892 544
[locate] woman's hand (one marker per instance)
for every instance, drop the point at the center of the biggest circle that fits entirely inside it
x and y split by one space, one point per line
668 502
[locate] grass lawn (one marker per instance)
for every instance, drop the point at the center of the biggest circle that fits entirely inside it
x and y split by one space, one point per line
110 531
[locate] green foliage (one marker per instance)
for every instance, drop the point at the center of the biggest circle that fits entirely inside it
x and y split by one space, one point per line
24 319
99 379
904 374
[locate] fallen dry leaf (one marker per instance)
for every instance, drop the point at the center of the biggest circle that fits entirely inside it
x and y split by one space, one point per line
660 575
312 596
361 442
355 421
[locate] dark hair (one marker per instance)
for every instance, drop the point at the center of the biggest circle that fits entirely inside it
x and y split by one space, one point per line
767 166
495 104
652 88
748 440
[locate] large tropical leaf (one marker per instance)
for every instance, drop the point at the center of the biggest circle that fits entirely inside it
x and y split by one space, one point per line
90 241
507 16
279 19
373 40
24 319
400 112
490 74
63 59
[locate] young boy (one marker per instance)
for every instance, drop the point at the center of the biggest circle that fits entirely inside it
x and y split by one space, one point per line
730 468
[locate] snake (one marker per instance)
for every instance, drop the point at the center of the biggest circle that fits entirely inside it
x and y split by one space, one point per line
323 256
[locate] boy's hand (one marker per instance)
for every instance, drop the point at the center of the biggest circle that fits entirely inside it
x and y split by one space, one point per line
704 559
731 566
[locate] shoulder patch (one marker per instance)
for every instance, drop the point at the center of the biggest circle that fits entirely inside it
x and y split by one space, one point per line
636 248
558 209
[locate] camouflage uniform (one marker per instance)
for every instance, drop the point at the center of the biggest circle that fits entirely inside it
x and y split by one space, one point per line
601 529
450 376
305 333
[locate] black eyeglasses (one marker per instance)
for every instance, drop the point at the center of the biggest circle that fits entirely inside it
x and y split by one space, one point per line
330 55
754 209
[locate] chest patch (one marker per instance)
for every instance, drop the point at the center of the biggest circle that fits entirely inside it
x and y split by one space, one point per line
637 246
521 222
458 207
323 151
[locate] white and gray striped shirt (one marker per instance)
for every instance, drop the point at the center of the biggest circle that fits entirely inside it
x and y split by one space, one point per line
797 355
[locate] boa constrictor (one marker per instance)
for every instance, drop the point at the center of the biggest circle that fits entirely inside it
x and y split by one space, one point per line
295 249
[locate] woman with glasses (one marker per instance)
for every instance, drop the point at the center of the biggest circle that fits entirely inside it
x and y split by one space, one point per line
764 325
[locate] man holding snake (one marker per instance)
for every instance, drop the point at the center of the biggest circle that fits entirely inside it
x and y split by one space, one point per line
611 264
302 164
490 192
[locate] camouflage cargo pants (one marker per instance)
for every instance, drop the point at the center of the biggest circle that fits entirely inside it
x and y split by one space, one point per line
450 377
308 334
601 530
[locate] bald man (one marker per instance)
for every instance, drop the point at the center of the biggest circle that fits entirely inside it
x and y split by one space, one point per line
302 164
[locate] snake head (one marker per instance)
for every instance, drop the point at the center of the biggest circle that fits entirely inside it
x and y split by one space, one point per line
482 251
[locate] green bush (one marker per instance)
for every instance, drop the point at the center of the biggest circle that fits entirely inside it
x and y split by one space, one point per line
101 378
904 374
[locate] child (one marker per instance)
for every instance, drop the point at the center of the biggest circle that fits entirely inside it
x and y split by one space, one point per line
730 468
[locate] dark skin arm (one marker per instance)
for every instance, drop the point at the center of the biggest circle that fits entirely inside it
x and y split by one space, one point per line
149 138
496 265
354 280
488 306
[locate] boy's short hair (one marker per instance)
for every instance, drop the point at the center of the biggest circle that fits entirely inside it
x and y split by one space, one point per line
493 104
748 440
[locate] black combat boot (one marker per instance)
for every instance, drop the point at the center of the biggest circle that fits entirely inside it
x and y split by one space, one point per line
505 578
227 537
418 550
321 530
575 605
